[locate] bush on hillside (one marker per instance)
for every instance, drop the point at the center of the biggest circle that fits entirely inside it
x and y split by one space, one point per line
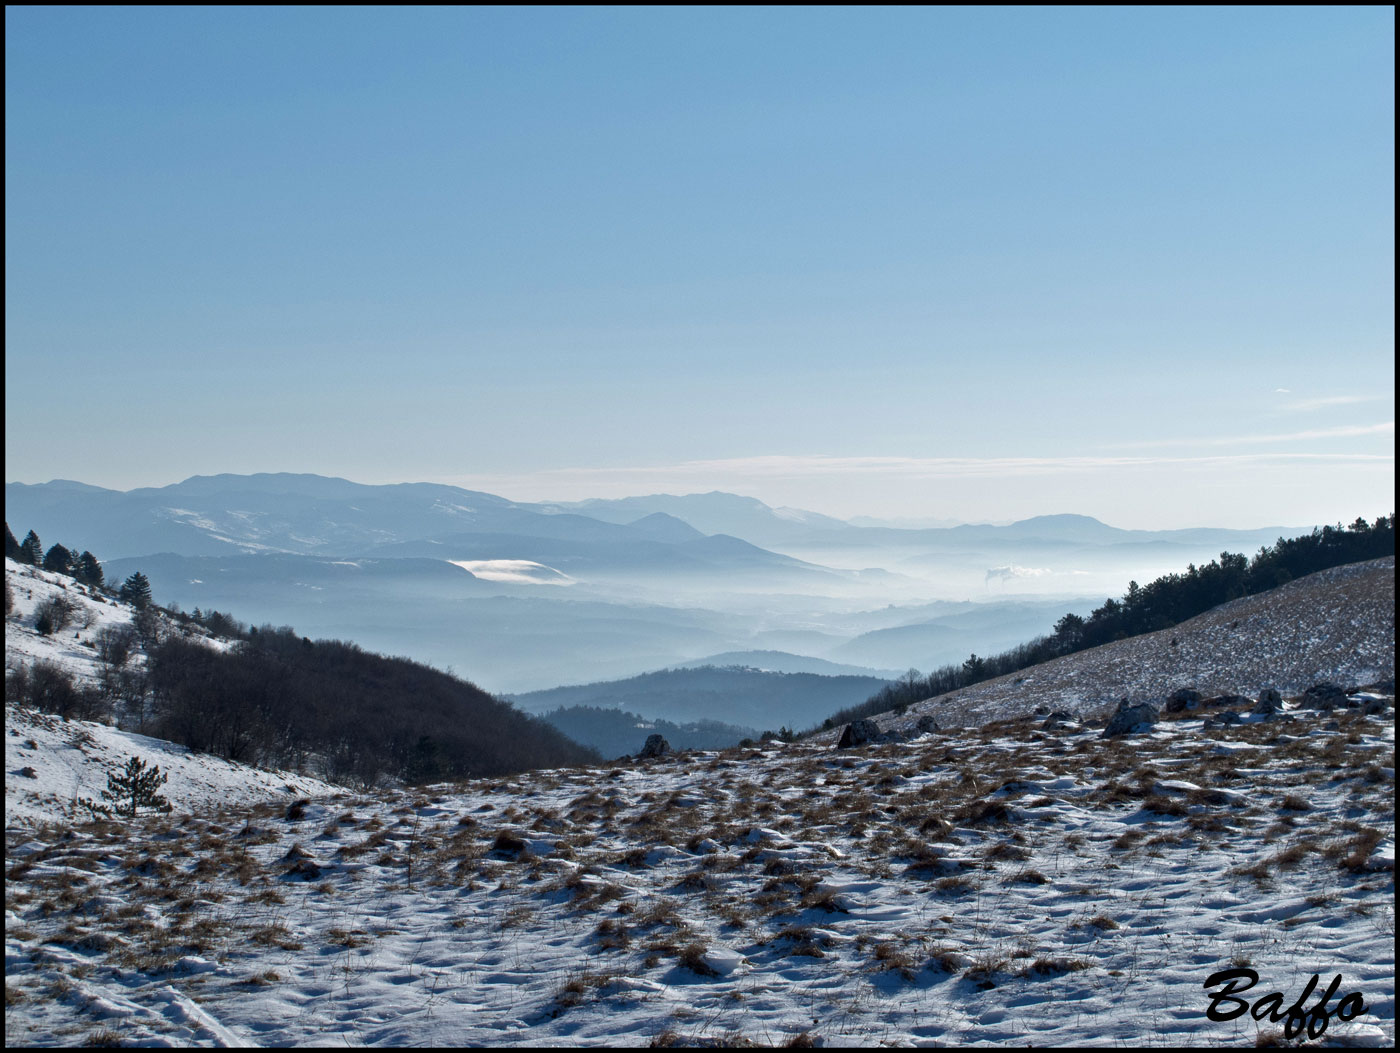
54 615
50 688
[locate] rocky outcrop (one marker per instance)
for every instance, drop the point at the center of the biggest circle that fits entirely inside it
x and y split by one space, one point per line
1183 699
859 733
1130 719
1324 696
655 746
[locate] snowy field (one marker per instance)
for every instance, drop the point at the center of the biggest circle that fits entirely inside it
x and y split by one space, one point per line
1009 886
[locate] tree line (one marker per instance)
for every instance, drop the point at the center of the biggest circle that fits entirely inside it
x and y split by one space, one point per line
1168 601
83 567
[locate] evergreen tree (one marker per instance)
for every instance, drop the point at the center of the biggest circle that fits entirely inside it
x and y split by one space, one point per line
12 549
59 559
31 550
136 590
136 787
88 570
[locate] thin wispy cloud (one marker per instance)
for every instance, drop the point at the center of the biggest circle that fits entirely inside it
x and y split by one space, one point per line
736 471
1346 431
1327 402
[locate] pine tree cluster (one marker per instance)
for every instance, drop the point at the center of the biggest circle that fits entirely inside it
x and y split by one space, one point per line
84 566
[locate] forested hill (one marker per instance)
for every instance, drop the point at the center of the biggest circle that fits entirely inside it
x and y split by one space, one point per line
279 698
736 695
263 696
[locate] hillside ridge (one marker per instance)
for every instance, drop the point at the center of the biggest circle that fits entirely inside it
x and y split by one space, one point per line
1333 625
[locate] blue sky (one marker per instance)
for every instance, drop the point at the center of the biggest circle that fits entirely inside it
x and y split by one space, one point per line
974 264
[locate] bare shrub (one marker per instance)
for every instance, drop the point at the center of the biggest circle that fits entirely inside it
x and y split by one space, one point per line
54 615
115 644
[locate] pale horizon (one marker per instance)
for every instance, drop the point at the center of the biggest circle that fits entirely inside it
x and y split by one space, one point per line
799 492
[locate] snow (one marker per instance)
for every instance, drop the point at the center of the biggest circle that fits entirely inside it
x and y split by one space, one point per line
717 896
70 759
992 885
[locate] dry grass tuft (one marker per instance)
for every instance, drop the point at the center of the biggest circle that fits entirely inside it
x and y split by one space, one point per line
692 956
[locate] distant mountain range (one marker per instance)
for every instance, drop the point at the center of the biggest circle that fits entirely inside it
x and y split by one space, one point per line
519 595
311 515
712 513
315 515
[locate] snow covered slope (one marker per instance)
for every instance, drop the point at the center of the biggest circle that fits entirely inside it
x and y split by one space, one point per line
1337 625
1003 887
51 762
75 648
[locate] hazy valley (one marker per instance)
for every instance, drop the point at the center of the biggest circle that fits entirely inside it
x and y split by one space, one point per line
605 589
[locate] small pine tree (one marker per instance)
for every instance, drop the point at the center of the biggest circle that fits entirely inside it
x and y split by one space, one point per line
88 570
135 787
136 590
60 559
31 550
12 549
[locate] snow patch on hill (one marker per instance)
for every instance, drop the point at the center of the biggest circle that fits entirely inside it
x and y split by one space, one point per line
50 763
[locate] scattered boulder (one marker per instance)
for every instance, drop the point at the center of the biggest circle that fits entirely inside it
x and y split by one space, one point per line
1130 719
859 733
1040 711
927 724
1324 696
1377 707
1270 702
1058 719
1183 699
655 746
